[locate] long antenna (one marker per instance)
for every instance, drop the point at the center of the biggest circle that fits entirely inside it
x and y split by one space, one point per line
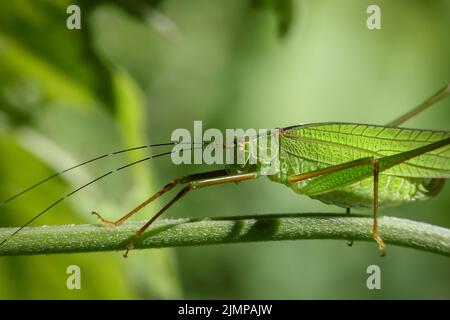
89 183
82 164
98 178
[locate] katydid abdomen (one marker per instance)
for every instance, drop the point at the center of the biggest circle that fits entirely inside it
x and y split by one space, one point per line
393 191
307 148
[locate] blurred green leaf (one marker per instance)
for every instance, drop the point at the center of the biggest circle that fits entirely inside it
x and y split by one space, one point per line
283 9
139 69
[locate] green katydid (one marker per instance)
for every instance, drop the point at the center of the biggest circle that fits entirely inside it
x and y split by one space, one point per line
347 164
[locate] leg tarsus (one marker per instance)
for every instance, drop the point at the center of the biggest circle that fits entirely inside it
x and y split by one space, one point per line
349 242
375 235
130 246
381 245
103 221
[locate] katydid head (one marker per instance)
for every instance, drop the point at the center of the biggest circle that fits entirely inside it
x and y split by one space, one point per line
238 156
256 153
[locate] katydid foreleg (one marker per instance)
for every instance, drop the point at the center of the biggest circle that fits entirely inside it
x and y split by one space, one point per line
192 185
166 188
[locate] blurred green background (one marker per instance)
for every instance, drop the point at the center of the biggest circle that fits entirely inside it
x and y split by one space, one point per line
137 70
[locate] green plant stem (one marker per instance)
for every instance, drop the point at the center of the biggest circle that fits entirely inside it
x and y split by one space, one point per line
188 232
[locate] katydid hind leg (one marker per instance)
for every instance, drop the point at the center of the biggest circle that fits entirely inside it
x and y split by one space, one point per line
441 94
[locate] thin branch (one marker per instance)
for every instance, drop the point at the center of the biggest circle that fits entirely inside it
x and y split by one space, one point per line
188 232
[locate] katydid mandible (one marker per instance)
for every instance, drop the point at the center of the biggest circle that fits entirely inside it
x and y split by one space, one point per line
350 165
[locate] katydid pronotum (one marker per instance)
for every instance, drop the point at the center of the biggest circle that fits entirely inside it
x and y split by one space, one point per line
346 164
